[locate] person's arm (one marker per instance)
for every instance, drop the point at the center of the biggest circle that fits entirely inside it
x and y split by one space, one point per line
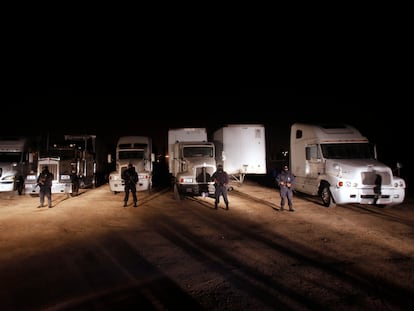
226 181
292 181
279 180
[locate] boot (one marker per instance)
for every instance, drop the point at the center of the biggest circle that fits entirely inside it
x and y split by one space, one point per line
125 204
215 205
227 206
291 209
135 204
281 209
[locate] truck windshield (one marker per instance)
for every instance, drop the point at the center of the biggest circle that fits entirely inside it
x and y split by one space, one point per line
348 151
131 154
9 157
190 152
63 154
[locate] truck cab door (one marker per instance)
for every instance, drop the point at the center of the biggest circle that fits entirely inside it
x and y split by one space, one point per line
315 166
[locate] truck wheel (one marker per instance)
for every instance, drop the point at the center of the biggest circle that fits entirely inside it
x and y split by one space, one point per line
326 196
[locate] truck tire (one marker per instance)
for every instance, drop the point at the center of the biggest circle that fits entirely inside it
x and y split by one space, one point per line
326 196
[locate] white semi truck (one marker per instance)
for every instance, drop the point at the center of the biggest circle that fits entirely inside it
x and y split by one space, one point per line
241 148
191 159
72 163
136 150
339 164
17 160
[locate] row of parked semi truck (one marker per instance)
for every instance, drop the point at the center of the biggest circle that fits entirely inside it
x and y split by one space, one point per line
335 162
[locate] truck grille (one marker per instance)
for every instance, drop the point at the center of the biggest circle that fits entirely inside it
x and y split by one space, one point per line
375 178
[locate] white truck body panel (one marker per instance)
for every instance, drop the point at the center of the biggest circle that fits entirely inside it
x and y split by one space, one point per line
191 161
138 151
241 148
344 160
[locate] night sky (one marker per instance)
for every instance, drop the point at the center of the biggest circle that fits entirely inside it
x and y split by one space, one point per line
110 113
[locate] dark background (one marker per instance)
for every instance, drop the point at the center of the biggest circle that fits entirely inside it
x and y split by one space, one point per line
380 113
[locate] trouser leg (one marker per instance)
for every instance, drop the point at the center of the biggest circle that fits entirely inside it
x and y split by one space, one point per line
290 200
41 197
134 197
126 197
49 197
217 196
225 197
282 198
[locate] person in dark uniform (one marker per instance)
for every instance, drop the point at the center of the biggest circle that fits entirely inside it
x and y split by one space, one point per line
285 179
130 177
221 182
44 181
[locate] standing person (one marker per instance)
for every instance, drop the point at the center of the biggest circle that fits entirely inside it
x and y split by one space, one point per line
221 182
44 181
285 179
130 177
74 178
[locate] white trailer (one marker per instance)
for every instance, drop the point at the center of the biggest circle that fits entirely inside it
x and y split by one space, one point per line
337 163
241 148
136 150
191 159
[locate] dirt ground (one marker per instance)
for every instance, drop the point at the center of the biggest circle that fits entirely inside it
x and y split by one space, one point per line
89 253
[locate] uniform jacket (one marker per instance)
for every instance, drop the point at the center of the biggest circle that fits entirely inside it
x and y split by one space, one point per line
285 179
45 179
221 178
130 176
